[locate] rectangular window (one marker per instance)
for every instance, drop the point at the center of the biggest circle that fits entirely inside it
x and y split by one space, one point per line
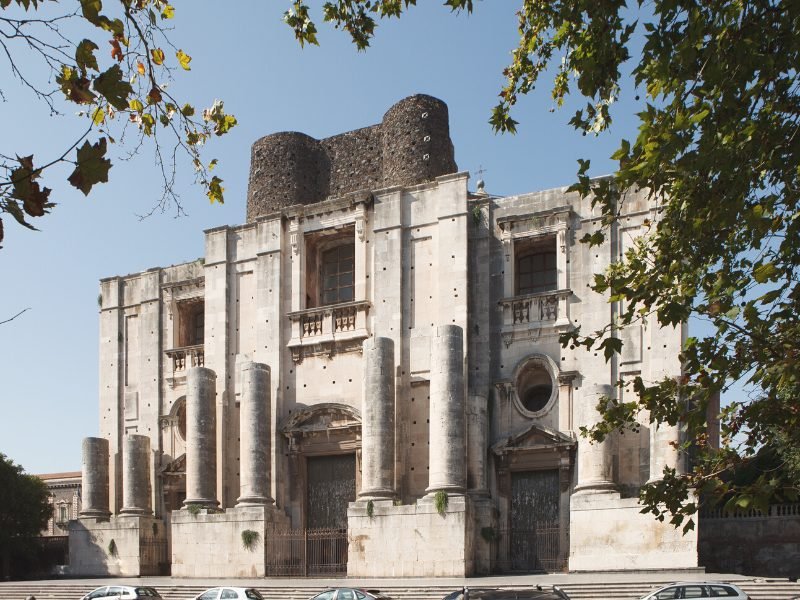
330 266
536 266
337 274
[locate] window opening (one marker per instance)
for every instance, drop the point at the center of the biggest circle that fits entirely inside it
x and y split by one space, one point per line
336 275
537 270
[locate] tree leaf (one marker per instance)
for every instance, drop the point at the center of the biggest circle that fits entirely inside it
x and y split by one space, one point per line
91 166
111 85
183 60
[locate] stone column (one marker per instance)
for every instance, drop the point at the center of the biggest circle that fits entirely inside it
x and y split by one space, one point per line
136 491
594 459
94 478
201 437
254 435
377 430
447 426
662 451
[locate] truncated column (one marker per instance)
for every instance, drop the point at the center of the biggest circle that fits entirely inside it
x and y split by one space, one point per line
378 435
94 478
136 490
594 459
201 438
254 422
447 428
664 439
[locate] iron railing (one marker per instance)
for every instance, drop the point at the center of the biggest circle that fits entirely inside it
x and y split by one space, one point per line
306 552
535 550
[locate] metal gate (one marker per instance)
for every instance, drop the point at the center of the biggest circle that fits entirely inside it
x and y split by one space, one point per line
153 557
331 487
532 542
529 550
306 552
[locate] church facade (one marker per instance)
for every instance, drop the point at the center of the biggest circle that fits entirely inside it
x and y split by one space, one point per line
375 352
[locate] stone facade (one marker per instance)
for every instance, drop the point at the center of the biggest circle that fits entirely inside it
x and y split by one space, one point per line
65 498
377 349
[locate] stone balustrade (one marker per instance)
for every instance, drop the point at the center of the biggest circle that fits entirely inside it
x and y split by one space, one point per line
186 357
544 310
328 329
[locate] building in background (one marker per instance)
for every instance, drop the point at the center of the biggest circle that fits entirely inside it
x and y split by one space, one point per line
65 490
366 377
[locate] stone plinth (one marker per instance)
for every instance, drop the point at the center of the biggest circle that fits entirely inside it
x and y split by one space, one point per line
411 540
112 547
608 533
209 543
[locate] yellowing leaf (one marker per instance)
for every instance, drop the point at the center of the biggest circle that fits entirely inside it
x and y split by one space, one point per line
140 68
157 54
136 104
168 11
184 59
99 116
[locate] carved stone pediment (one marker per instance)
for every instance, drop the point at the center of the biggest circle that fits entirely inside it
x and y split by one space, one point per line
176 467
323 428
534 437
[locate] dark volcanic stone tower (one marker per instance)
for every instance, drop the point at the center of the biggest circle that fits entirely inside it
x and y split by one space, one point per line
411 145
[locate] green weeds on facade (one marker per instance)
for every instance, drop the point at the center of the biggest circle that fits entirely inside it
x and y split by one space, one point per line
440 500
250 538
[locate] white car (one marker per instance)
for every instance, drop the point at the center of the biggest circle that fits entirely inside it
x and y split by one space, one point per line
230 593
123 592
697 589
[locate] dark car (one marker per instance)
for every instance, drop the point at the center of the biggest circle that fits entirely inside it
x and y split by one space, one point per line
533 593
351 594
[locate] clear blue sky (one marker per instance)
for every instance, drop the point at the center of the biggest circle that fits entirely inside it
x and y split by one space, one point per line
244 54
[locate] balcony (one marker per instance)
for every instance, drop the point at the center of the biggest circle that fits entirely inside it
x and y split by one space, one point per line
533 315
328 329
184 358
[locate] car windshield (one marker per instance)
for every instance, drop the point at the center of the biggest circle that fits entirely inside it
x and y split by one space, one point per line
253 594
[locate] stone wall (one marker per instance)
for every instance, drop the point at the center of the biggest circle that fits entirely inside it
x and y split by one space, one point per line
772 542
113 547
412 145
210 544
608 533
411 540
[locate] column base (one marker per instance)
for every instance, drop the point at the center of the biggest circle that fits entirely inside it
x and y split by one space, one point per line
201 502
255 501
377 494
134 512
595 487
94 513
458 490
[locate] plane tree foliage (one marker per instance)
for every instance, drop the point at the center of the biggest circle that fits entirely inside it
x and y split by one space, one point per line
112 64
717 150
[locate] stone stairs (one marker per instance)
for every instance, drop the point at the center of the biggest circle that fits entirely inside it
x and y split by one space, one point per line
757 589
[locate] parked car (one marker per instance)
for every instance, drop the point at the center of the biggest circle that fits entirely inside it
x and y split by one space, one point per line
350 594
533 593
122 592
230 593
697 589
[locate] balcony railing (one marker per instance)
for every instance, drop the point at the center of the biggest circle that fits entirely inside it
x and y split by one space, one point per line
186 357
326 328
543 309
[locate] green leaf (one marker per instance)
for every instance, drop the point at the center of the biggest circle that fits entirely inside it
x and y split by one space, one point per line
111 85
91 166
765 272
84 55
157 54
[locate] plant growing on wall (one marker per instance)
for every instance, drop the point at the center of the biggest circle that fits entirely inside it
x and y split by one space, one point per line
440 501
194 509
112 548
249 538
370 508
489 534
